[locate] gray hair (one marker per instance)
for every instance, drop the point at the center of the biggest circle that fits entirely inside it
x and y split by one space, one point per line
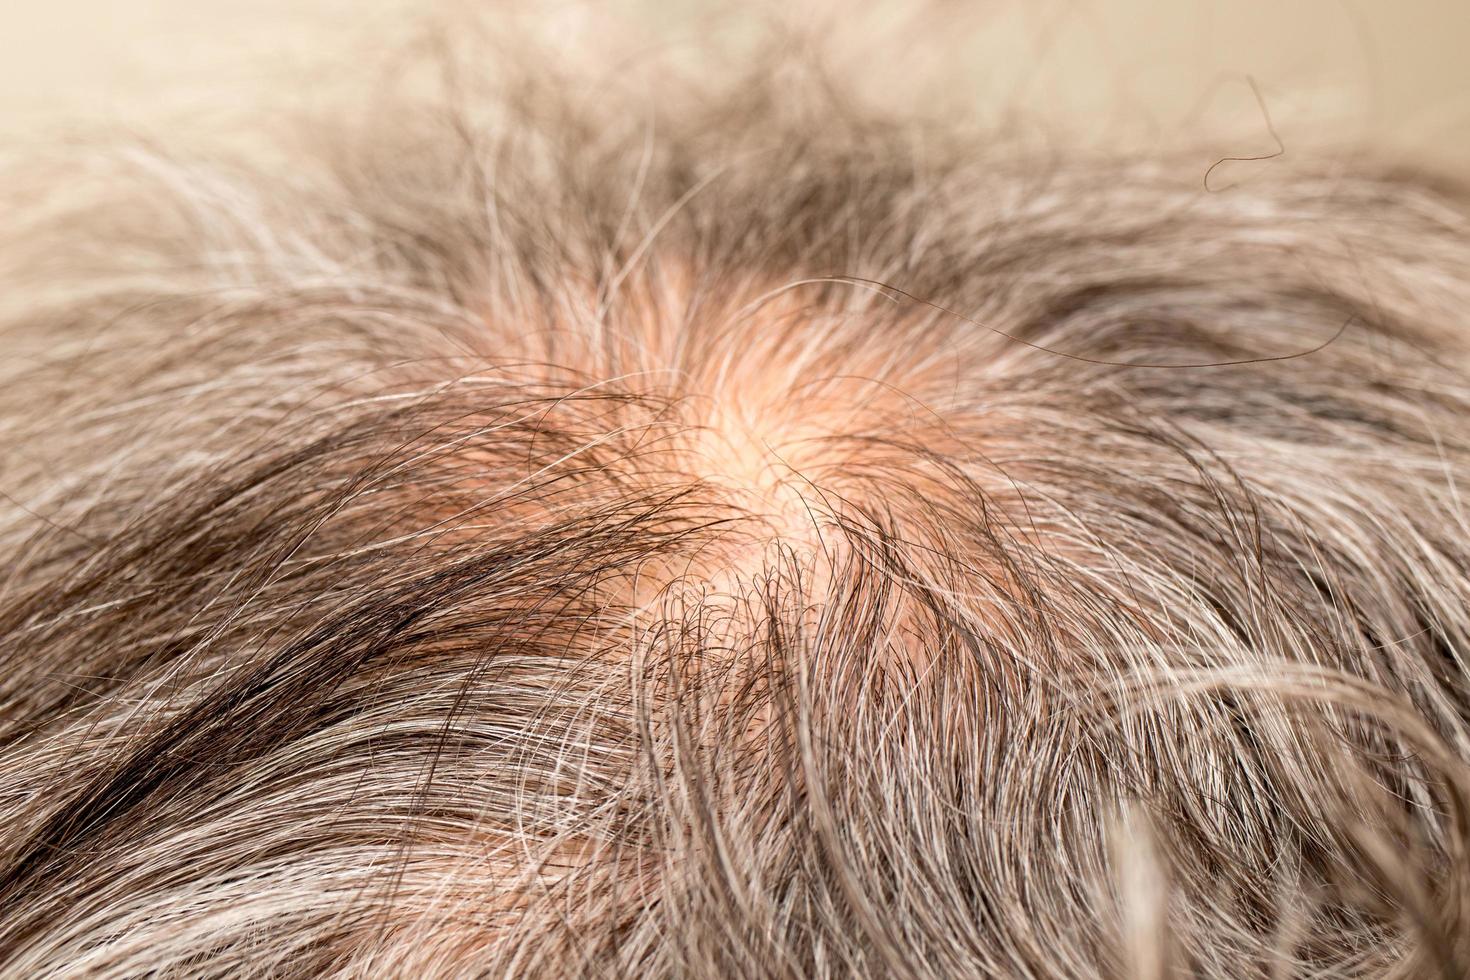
784 541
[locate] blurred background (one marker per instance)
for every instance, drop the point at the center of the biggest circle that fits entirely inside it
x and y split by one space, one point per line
1394 74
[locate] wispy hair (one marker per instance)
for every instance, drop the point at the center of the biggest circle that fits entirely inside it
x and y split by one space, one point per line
520 533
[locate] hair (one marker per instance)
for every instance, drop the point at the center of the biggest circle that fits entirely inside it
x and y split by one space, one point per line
778 539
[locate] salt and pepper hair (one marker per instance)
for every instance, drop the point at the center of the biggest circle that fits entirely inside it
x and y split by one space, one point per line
778 540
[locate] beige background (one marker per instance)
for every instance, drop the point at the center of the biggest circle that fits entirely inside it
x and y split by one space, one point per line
1392 72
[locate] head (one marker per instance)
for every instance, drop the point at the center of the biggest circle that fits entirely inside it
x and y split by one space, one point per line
767 542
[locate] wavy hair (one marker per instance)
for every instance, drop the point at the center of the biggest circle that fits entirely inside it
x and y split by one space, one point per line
781 539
